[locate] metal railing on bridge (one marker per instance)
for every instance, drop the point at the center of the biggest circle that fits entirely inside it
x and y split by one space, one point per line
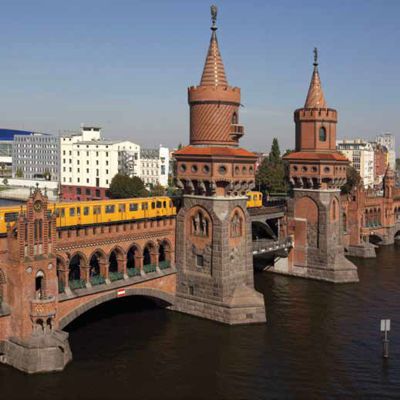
266 246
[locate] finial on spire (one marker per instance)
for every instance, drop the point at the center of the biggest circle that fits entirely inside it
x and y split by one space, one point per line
315 57
214 12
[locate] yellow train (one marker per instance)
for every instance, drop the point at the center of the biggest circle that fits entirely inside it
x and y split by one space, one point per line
254 199
105 211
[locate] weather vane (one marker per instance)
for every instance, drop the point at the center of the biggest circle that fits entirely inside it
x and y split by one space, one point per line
214 12
315 56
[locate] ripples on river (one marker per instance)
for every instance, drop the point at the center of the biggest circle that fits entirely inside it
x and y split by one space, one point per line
321 341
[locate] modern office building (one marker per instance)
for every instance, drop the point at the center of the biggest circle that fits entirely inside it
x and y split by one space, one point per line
36 156
89 162
360 153
6 145
389 141
155 166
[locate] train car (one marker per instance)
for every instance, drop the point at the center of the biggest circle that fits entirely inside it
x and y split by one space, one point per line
254 199
83 213
98 211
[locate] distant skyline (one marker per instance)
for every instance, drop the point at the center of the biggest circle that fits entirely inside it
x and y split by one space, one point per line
126 65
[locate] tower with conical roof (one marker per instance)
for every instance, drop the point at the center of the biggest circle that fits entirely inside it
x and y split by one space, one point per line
316 172
213 237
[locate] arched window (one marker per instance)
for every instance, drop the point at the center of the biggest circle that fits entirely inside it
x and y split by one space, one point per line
39 285
234 118
322 134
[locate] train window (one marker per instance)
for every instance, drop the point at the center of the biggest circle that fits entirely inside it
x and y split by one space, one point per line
165 204
78 211
72 212
96 210
153 205
248 197
121 208
10 217
145 206
159 204
255 197
85 210
170 204
110 208
133 207
62 212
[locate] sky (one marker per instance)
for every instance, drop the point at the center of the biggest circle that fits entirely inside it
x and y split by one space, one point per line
125 65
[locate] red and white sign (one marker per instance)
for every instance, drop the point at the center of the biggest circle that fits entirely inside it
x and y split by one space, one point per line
120 292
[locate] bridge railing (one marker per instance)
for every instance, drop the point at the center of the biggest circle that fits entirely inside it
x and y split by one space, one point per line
270 245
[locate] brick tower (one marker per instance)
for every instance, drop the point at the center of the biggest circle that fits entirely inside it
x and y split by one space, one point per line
35 344
316 173
213 239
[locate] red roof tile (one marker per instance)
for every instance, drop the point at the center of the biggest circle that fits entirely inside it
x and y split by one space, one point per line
304 155
215 151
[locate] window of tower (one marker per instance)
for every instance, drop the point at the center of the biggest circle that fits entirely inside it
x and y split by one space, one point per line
234 118
322 134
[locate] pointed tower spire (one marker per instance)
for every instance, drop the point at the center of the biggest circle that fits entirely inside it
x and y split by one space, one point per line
213 72
315 96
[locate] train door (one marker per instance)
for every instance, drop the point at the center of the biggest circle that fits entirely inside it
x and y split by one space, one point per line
122 212
97 214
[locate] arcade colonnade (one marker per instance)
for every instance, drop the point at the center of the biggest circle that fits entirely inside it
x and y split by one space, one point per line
82 269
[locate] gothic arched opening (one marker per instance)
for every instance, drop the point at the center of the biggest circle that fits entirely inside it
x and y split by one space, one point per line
39 285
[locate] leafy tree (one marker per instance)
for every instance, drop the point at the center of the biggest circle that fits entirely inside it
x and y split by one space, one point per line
270 176
353 180
123 187
19 173
158 190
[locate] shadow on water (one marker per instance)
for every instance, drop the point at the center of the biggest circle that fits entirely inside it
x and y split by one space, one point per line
321 341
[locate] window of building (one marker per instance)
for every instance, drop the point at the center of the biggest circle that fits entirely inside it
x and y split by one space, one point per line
322 134
87 191
87 180
78 190
72 212
199 260
97 193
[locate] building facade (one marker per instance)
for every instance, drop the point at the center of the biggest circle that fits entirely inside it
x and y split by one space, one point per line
89 162
361 155
36 156
154 166
389 141
6 146
381 162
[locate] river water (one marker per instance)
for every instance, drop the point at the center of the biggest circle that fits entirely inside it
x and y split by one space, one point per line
321 341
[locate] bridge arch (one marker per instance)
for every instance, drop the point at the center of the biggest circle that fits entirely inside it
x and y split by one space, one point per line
97 261
375 238
156 294
116 259
150 253
164 252
77 261
134 256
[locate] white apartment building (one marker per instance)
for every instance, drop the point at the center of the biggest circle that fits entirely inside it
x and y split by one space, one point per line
154 166
87 161
361 156
388 140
